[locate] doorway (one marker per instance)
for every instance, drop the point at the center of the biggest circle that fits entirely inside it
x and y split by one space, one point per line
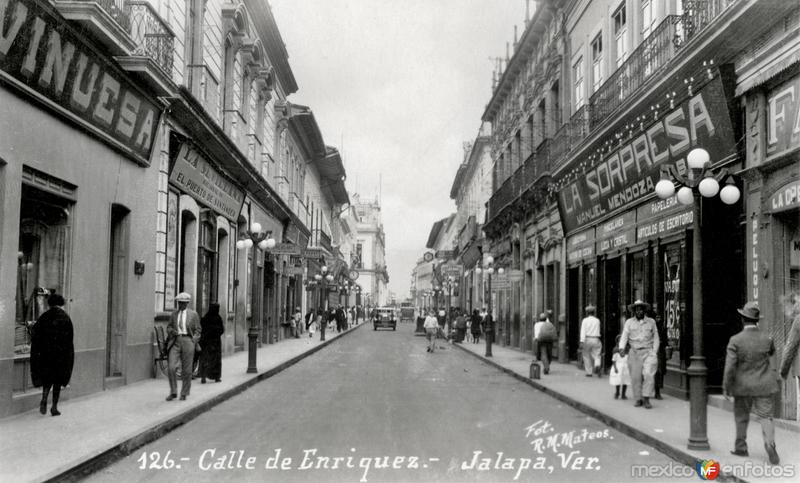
573 312
611 306
116 326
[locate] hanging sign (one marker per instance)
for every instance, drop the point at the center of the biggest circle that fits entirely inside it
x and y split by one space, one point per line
620 178
42 55
203 182
454 270
315 253
285 249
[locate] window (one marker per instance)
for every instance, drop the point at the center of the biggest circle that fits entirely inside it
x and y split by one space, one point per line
44 233
648 18
621 34
577 75
597 61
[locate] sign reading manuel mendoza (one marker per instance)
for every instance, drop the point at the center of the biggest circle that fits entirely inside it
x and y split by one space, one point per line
631 172
195 175
41 55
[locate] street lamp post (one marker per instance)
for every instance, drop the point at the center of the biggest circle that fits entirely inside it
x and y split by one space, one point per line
699 182
264 241
488 268
450 283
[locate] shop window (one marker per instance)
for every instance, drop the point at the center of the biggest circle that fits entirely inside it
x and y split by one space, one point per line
206 263
42 257
673 300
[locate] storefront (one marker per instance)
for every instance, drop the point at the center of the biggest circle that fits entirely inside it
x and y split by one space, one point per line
77 205
624 244
773 206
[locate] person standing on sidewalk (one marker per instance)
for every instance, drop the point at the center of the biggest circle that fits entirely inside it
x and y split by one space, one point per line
544 334
184 328
461 326
52 352
431 329
590 342
212 329
475 326
642 335
752 381
619 375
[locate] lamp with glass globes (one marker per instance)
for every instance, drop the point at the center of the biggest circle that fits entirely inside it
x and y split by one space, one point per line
489 269
254 238
699 182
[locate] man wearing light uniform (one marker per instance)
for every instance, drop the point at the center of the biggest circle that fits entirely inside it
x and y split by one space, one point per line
642 334
184 331
590 342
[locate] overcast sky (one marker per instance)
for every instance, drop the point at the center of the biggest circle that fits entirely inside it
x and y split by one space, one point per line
398 86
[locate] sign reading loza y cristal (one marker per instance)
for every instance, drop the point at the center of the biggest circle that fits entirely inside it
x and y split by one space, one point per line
41 54
195 175
629 173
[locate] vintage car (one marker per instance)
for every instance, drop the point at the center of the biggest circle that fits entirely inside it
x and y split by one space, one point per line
384 317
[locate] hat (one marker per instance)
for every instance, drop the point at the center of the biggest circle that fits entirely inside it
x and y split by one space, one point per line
183 297
750 311
640 303
590 309
543 316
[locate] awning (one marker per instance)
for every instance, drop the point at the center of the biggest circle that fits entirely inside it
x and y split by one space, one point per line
193 117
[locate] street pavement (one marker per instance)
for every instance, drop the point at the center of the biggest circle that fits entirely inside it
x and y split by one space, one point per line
375 406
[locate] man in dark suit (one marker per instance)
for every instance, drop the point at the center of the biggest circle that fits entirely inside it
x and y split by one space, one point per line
184 333
751 380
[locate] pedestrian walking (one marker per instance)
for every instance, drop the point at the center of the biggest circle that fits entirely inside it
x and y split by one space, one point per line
297 322
184 331
590 342
791 310
341 319
487 325
544 334
312 324
52 352
752 381
619 375
310 317
461 327
661 370
475 326
642 335
211 332
431 329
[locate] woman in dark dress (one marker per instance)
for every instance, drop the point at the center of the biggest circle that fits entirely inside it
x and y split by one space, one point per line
52 352
212 329
475 326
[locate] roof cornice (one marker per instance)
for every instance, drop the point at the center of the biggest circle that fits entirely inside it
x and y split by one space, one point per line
267 29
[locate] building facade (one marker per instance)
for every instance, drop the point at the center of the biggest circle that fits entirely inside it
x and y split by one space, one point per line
168 134
369 255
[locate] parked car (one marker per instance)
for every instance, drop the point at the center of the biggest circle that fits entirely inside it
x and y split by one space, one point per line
384 317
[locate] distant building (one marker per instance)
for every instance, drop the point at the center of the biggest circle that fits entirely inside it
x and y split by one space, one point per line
369 254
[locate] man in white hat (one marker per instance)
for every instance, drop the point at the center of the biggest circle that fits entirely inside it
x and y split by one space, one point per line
752 381
642 335
184 330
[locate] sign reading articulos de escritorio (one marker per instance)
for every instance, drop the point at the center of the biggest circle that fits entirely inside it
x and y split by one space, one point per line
629 173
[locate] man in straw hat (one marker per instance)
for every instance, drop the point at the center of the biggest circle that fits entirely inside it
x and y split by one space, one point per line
642 335
752 381
590 342
184 333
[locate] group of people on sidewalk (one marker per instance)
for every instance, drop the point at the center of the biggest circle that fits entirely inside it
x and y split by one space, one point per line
478 324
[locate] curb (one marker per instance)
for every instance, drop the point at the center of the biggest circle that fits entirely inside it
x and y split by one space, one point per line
675 453
94 463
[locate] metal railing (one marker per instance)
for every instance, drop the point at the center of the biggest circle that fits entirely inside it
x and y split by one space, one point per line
153 37
115 9
536 165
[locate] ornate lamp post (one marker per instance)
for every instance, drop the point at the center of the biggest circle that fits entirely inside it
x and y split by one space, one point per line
699 182
488 269
264 241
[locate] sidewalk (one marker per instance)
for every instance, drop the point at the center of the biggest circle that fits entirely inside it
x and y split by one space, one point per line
100 427
665 427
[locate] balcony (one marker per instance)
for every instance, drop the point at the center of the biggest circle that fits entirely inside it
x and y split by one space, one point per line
652 56
106 20
153 56
525 177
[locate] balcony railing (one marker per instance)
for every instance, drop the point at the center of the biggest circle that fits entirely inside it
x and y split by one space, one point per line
116 9
648 58
537 165
153 36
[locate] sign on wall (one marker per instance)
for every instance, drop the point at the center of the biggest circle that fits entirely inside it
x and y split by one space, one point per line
629 173
42 55
171 263
783 117
203 182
